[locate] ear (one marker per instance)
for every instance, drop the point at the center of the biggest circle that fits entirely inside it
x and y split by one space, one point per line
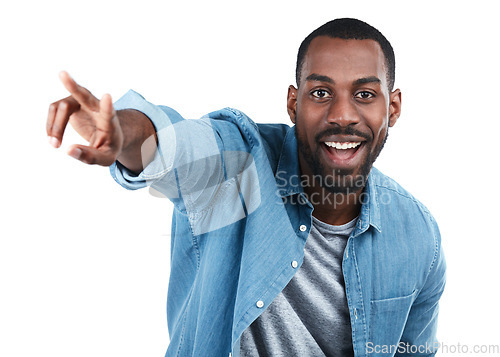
394 107
291 102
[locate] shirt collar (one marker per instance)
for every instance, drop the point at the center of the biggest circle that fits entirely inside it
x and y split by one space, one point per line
288 173
370 209
288 182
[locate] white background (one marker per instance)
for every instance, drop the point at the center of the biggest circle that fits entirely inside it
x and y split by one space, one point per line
84 264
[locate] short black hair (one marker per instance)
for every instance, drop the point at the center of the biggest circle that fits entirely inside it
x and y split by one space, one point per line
350 29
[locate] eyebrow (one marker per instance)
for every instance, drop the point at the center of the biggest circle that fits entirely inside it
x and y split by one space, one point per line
365 80
319 78
357 82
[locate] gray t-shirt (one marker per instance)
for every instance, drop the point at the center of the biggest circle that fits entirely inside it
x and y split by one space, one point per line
310 317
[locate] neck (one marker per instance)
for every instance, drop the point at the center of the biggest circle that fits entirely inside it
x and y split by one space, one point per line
329 207
334 208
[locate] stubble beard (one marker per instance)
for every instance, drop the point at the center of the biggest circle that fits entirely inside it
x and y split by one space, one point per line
337 181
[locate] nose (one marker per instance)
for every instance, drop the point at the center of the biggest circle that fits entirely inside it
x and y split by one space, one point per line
343 111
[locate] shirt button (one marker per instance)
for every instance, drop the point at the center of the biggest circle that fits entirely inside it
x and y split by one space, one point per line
303 228
295 264
260 304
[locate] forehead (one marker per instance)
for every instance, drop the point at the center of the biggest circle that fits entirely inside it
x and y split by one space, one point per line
344 60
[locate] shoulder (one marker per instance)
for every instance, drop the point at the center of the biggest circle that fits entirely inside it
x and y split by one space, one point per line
266 136
243 121
392 193
404 216
407 221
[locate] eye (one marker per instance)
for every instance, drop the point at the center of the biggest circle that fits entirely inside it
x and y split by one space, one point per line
320 93
365 95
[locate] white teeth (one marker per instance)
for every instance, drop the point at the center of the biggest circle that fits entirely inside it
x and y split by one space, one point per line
342 146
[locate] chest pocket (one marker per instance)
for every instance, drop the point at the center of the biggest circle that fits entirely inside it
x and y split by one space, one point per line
387 322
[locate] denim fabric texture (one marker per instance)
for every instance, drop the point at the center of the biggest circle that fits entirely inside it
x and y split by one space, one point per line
239 228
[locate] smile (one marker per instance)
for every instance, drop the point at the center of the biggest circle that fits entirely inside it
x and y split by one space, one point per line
343 145
343 154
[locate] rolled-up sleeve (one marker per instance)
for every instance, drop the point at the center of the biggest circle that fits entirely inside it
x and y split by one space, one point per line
186 147
162 119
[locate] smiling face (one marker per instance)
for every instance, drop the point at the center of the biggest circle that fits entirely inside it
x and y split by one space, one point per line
342 111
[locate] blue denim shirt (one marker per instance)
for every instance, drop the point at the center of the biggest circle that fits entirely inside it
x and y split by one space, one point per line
240 224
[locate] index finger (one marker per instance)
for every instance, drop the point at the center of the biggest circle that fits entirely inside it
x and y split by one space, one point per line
81 94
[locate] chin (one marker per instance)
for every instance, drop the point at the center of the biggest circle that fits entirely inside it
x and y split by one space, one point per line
339 182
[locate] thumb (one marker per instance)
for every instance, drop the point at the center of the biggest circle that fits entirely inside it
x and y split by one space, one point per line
106 106
107 113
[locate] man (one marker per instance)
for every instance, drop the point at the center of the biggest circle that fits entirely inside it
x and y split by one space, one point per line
285 241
